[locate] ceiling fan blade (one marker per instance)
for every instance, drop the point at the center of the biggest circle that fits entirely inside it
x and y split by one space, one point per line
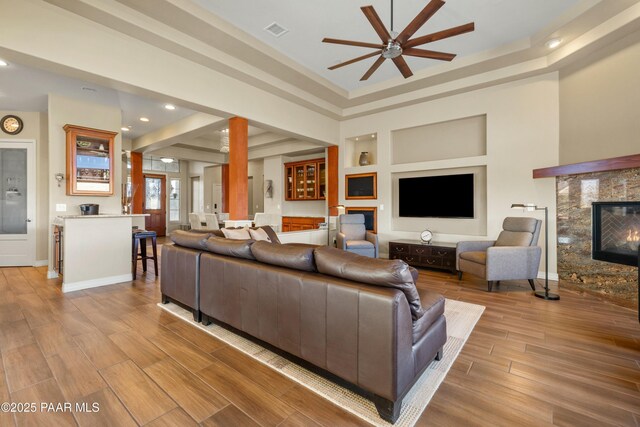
359 58
455 31
423 53
376 23
373 68
352 43
402 66
422 17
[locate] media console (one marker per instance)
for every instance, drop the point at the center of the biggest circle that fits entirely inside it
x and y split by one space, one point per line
441 255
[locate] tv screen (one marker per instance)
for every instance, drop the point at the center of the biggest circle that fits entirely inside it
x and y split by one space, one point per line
444 196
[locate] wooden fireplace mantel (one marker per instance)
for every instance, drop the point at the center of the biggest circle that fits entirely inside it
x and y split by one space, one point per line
615 163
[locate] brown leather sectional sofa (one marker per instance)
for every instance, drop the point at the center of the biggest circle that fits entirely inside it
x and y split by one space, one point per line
357 318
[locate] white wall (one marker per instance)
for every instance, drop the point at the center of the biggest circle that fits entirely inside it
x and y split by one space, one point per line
522 134
64 111
256 170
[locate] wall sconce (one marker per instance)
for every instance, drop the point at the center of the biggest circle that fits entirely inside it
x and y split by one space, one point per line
59 178
268 188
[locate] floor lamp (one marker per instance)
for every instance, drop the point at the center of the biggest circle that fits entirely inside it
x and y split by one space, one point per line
531 207
329 222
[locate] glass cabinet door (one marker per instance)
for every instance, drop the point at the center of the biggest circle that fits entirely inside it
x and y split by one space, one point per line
322 183
310 181
300 184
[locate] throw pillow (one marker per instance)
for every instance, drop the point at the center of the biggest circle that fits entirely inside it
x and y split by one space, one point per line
236 234
259 234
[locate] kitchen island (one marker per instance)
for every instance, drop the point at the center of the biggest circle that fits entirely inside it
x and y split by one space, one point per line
95 250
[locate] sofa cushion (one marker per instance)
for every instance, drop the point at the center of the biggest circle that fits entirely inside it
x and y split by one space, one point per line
267 228
230 247
188 239
236 233
479 257
295 256
372 271
433 306
259 234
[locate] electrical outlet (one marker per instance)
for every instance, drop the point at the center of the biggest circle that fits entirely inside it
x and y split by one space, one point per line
61 207
381 207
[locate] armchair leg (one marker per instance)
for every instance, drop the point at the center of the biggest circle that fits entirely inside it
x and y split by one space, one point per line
490 284
533 284
459 275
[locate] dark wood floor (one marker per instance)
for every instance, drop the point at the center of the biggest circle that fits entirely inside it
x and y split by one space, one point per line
528 362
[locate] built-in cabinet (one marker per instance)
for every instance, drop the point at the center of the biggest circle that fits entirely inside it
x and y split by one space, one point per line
299 223
305 180
89 161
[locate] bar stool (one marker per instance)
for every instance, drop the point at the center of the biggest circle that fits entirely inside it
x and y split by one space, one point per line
139 238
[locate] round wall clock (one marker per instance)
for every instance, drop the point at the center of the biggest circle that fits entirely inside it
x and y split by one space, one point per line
426 236
11 124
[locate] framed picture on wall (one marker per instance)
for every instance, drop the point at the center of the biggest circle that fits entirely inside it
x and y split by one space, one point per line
370 216
361 186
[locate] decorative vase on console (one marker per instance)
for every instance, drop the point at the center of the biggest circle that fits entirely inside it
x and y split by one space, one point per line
364 158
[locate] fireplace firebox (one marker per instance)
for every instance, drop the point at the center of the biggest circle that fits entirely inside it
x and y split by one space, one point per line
616 232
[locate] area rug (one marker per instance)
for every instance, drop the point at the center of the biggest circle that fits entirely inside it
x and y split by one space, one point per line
461 319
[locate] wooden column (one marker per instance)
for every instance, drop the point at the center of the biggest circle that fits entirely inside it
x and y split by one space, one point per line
238 168
225 189
137 183
332 179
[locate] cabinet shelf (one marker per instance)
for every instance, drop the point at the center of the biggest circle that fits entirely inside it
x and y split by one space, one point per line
89 161
305 180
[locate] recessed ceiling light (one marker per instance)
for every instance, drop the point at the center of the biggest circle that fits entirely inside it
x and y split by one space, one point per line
553 43
169 106
144 119
373 136
356 138
124 129
3 63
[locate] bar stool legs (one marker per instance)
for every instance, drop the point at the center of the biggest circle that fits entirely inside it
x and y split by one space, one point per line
140 240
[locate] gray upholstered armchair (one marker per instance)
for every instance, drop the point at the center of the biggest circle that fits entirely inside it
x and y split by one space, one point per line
514 256
354 237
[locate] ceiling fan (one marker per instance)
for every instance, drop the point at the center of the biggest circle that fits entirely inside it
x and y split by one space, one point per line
395 45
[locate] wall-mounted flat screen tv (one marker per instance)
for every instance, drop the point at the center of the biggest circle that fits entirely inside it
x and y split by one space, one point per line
443 196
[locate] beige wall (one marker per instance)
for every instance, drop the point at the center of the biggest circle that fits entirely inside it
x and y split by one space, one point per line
35 128
600 104
64 111
522 134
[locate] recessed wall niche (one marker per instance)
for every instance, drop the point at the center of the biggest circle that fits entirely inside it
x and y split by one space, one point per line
357 145
476 226
454 139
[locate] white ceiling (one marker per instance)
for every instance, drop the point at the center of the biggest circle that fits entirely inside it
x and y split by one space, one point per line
497 23
24 88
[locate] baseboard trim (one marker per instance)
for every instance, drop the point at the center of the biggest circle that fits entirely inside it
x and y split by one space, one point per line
41 263
94 283
552 276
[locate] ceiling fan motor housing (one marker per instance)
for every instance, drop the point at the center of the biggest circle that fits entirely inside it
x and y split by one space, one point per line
392 50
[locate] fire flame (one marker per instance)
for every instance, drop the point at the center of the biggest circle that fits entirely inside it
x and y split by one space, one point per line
633 236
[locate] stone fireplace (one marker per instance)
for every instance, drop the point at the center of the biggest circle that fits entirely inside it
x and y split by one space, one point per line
612 271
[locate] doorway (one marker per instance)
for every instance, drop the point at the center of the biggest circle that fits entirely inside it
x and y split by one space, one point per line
155 203
17 203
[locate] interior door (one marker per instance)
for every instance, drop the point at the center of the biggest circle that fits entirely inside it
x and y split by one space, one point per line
17 203
155 203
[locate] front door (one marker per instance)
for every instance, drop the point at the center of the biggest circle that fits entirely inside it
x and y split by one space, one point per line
155 203
17 203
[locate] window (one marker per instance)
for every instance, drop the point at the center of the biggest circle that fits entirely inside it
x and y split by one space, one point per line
174 200
152 163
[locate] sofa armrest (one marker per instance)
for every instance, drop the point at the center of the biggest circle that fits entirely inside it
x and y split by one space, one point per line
472 246
341 241
513 262
373 238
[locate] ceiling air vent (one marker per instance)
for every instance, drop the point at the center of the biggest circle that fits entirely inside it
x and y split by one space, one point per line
276 29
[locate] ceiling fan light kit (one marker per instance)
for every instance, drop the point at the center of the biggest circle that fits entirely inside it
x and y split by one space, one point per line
393 45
